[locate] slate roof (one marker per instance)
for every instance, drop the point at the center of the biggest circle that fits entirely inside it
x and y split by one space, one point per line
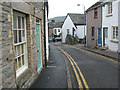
55 25
97 4
78 19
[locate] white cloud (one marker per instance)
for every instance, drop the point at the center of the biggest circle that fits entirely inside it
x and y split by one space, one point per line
62 7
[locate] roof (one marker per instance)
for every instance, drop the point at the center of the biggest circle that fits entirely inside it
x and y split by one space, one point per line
97 4
78 19
55 25
58 19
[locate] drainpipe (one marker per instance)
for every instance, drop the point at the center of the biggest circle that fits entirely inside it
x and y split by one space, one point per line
45 36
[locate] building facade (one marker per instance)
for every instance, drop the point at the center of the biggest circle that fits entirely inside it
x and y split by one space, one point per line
22 43
94 25
73 25
110 25
55 30
119 30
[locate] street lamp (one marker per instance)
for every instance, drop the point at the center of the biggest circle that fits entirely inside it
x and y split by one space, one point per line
84 20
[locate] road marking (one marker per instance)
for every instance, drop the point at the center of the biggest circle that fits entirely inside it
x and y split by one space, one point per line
77 76
73 63
51 66
109 59
84 81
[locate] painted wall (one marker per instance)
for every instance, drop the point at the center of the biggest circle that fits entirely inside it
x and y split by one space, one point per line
80 31
57 33
119 25
96 23
68 24
109 21
47 44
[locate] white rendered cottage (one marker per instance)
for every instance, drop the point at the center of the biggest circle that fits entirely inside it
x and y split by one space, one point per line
110 24
74 25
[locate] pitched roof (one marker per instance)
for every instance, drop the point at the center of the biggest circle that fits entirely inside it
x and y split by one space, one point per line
94 6
55 25
78 19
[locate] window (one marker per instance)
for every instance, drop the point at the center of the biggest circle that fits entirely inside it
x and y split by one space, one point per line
105 29
55 31
115 33
58 30
109 8
93 32
95 13
20 49
68 31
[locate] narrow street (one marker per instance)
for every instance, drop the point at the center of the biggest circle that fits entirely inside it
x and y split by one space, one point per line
54 75
86 70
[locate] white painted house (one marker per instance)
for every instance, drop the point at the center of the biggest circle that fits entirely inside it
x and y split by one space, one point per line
119 26
110 24
74 25
55 29
57 32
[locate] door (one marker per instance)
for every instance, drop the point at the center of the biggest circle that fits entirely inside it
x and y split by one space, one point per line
73 31
103 37
99 36
39 65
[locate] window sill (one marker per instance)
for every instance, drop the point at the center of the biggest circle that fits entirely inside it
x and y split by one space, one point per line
114 41
109 15
21 70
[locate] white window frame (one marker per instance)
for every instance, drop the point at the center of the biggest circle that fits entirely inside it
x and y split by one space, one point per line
109 8
23 42
114 39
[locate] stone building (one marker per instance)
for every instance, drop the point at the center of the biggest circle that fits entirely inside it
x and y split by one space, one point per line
22 43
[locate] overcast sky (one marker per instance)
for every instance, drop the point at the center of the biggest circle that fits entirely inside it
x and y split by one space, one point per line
62 7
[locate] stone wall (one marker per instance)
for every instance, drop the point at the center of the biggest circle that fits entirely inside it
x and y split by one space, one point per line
7 65
7 59
71 40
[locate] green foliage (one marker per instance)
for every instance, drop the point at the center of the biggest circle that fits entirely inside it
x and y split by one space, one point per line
60 35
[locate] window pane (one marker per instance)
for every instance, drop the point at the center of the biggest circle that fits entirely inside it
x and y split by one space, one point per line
117 28
23 22
16 64
23 35
19 35
15 36
113 28
18 49
19 60
106 33
15 22
19 22
15 51
22 48
23 60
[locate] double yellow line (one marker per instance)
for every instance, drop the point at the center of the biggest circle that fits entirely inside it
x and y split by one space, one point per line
77 71
106 58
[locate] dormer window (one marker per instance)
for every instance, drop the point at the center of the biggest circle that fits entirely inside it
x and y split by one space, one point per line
109 8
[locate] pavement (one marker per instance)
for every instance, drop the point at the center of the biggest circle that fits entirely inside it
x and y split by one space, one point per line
107 53
54 75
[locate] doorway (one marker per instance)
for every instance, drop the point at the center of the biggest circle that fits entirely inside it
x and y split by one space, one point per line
38 40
